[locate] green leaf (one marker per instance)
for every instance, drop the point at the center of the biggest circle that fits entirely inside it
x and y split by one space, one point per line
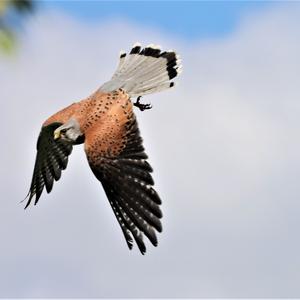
3 6
7 41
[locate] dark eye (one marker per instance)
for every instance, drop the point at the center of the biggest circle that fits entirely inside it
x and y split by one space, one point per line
63 130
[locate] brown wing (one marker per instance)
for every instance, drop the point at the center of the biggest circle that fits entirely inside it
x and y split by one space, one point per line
51 159
117 158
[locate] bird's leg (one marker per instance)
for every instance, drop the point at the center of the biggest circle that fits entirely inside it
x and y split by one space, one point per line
141 106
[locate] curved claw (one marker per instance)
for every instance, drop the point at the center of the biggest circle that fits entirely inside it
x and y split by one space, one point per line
141 106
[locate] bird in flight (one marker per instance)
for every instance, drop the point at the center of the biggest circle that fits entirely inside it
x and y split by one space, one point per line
106 124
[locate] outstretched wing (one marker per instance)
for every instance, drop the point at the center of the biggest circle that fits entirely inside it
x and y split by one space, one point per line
119 161
51 159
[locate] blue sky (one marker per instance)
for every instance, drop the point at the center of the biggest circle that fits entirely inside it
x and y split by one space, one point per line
188 19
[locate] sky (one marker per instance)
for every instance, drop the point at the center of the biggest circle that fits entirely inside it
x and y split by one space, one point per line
187 19
223 144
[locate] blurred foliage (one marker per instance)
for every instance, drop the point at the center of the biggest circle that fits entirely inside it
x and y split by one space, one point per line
23 5
7 40
7 32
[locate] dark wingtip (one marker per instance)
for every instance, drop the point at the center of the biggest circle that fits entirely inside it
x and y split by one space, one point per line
25 197
141 246
129 243
30 195
37 197
28 202
158 227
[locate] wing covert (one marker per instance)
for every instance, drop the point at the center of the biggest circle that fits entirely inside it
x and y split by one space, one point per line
51 159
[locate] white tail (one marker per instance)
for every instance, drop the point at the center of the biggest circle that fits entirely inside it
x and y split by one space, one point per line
144 71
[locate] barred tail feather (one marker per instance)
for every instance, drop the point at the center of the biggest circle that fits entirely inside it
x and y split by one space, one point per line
144 71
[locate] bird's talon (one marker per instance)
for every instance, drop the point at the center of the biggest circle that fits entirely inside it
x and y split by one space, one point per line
141 106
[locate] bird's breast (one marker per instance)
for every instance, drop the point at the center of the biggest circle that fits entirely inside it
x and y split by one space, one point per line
105 123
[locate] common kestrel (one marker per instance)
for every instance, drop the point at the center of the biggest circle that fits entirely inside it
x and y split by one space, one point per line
106 124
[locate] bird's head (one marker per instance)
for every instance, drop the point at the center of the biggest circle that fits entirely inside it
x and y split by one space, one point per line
70 131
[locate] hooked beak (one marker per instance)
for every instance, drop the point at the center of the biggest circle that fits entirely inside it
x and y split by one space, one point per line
56 134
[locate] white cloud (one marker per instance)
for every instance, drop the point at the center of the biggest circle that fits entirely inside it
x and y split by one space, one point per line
224 146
